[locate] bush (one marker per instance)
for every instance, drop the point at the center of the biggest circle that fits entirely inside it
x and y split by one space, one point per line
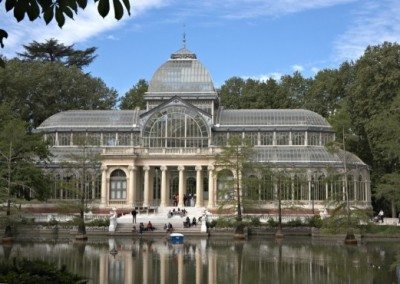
315 221
225 223
105 222
272 223
255 222
295 223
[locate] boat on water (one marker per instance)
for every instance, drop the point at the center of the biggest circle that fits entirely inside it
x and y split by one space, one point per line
176 238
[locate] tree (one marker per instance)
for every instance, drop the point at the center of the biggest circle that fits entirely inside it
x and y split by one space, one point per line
135 96
36 90
231 92
83 159
19 153
58 9
388 188
234 162
51 50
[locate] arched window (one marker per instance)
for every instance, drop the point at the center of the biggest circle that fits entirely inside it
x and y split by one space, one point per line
320 188
175 127
300 188
350 187
267 187
360 189
118 185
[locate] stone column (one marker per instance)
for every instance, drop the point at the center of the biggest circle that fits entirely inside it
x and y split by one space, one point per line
163 186
131 185
211 189
146 170
103 186
199 186
182 185
134 186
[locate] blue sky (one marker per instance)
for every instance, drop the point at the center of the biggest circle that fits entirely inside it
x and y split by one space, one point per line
246 38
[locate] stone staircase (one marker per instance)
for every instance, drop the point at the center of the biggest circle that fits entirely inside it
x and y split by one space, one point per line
159 219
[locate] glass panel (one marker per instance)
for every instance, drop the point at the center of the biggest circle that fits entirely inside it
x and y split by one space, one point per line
266 138
124 139
298 138
64 138
313 138
282 138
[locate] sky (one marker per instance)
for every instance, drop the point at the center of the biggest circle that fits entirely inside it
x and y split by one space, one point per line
247 38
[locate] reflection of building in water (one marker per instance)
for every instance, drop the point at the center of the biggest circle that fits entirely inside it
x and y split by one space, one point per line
221 261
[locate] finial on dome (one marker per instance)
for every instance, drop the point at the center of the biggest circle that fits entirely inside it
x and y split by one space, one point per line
184 36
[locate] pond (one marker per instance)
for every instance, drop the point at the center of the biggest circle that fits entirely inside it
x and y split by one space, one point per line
258 260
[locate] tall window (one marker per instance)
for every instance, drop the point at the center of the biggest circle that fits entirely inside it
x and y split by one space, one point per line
176 126
118 185
266 138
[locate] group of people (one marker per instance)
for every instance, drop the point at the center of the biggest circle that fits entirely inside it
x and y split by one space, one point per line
178 212
188 224
188 199
142 228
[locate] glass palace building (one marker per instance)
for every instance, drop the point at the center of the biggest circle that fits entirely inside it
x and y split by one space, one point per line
148 156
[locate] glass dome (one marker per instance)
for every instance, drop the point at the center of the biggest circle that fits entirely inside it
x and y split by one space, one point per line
183 73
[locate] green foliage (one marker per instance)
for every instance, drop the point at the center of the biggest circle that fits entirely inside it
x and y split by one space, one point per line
272 223
255 222
315 221
51 50
99 223
35 271
135 96
295 223
234 167
36 90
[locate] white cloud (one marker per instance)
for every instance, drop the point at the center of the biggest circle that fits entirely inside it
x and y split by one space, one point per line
315 70
88 23
378 21
265 77
297 68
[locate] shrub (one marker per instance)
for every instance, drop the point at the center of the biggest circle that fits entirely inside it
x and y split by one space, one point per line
105 222
315 221
272 222
255 222
295 223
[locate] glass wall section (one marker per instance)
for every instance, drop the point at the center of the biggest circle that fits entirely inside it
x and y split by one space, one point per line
360 189
204 106
238 135
252 137
94 138
300 187
266 138
313 138
335 187
79 138
135 139
326 138
282 138
252 188
64 138
118 185
220 138
298 138
320 189
51 139
175 127
109 139
124 139
225 190
267 187
350 187
284 185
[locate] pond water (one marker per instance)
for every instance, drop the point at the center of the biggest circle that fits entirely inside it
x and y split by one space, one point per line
258 260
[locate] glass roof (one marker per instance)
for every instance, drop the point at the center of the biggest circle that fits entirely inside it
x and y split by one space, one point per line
305 155
87 119
182 73
270 117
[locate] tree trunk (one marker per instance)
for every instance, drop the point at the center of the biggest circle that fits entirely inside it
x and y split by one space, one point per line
393 208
